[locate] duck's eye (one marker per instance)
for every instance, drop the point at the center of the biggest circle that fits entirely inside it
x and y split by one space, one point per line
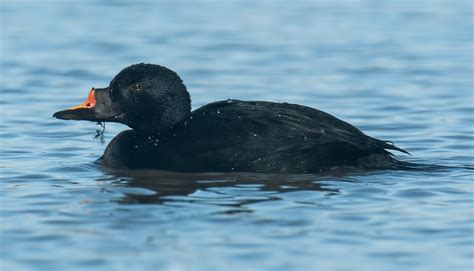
136 87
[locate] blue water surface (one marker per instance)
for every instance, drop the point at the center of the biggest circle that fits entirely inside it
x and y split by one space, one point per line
398 70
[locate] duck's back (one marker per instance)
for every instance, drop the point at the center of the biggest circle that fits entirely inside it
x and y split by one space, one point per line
243 136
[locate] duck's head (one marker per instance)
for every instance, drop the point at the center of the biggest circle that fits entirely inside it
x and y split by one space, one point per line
148 98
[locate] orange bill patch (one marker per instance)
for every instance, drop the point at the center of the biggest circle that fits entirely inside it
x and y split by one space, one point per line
89 103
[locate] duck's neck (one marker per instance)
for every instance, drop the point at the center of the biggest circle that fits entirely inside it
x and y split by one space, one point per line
163 118
161 123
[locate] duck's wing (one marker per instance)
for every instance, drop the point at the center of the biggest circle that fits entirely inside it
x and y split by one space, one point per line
262 134
235 121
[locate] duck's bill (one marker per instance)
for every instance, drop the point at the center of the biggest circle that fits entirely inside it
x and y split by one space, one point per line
97 107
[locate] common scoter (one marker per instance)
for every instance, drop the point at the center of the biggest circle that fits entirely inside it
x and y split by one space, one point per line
224 136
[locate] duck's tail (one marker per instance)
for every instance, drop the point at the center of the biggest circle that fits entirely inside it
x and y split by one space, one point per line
388 145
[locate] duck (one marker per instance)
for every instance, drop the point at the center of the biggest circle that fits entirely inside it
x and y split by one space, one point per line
224 136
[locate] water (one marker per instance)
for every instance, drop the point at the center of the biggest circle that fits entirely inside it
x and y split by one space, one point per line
399 70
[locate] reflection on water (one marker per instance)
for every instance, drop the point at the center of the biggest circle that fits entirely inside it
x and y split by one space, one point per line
398 70
154 186
165 187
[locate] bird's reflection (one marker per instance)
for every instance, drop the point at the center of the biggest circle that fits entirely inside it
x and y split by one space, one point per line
167 186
